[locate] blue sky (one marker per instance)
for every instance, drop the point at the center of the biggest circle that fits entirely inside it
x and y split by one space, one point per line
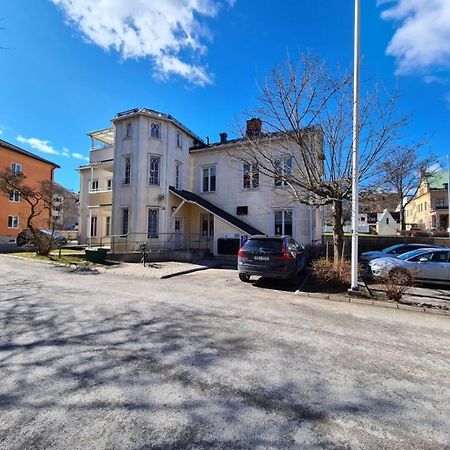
67 67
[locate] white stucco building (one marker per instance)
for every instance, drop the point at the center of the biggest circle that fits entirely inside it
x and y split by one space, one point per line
152 179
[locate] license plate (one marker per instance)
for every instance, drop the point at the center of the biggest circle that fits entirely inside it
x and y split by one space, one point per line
261 258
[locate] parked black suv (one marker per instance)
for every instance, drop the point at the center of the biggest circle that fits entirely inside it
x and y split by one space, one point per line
271 256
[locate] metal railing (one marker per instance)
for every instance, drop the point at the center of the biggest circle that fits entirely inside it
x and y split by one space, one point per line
162 242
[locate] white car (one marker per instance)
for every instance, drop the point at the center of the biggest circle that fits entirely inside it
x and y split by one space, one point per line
431 265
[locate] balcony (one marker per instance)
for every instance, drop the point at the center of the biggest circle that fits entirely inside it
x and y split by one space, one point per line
101 153
97 198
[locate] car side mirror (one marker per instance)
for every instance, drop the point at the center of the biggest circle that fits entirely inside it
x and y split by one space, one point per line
422 260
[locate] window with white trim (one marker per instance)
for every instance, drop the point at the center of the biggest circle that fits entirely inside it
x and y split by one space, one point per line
154 169
179 140
153 223
283 169
250 178
14 196
107 225
283 222
109 184
155 130
206 225
16 168
13 222
127 169
178 176
93 226
94 185
208 179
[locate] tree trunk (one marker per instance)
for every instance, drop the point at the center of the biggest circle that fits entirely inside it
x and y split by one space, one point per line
338 231
402 217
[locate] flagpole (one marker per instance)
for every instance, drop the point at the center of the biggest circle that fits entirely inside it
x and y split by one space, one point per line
355 148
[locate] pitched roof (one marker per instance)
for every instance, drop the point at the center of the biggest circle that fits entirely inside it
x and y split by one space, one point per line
437 180
25 152
213 209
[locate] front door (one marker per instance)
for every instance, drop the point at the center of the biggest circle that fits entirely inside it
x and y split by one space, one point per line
179 235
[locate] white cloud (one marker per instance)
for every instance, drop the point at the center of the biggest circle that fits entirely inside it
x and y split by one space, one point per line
80 156
170 32
38 144
422 40
44 146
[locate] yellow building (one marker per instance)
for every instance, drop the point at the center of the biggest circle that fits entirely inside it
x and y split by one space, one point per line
429 208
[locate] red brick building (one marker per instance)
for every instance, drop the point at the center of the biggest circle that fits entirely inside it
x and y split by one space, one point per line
13 209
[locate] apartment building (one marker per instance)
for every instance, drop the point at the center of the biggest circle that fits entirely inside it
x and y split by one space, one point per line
14 210
150 178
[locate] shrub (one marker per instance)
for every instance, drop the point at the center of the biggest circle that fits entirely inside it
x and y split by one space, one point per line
397 283
313 251
329 275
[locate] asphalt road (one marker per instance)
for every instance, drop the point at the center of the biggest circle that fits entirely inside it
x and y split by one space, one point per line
95 361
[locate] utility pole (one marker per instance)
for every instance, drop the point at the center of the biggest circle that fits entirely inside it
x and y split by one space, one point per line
448 193
355 148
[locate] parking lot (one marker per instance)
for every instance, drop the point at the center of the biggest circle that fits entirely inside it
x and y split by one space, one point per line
93 360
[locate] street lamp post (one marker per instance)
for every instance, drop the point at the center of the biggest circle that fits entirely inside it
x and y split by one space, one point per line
355 160
448 193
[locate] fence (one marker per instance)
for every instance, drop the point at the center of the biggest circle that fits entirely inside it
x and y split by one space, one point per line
161 242
373 243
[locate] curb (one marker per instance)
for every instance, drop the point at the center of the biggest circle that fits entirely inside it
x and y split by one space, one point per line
183 272
379 303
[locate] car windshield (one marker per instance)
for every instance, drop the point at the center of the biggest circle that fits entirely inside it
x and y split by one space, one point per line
263 245
411 254
393 249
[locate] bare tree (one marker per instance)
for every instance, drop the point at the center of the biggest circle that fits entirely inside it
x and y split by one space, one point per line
39 198
402 174
306 139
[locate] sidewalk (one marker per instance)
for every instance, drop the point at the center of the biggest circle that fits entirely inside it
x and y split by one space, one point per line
157 270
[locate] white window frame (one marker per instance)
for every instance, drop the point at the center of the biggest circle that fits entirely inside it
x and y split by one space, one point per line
91 185
14 196
283 221
93 226
16 168
253 169
13 222
108 226
151 178
109 184
178 175
152 131
154 234
179 140
127 170
282 162
208 168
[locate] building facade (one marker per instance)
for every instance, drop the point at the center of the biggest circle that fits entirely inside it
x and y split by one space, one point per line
13 209
429 207
152 179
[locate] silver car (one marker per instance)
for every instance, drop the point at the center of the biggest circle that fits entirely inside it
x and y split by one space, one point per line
431 265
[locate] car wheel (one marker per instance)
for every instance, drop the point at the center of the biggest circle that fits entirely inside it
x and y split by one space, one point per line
401 277
243 277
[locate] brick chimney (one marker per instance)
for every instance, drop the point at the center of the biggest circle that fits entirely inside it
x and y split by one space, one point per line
254 126
223 138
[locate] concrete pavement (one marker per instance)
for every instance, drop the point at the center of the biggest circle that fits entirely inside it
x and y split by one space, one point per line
96 360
